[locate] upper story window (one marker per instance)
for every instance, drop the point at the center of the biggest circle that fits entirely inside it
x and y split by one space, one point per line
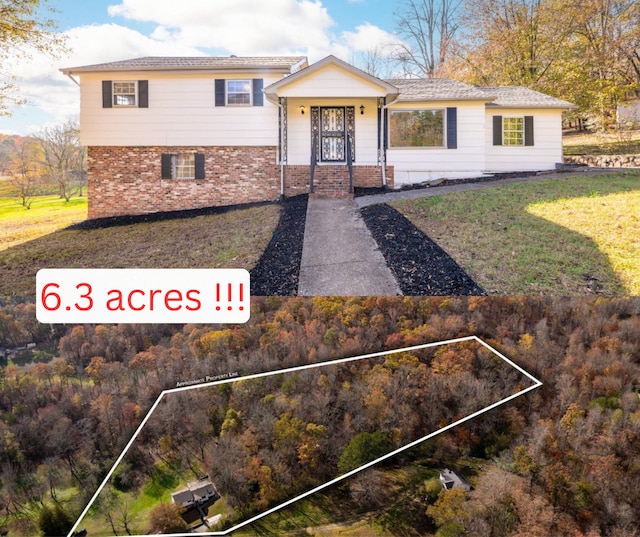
513 131
239 92
125 93
417 128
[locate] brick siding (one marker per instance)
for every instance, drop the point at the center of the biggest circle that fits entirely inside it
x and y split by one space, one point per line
332 180
128 180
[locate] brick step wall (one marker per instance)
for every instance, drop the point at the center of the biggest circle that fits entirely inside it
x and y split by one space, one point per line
331 182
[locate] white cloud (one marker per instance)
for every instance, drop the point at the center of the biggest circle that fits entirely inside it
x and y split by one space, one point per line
368 38
189 28
242 27
43 85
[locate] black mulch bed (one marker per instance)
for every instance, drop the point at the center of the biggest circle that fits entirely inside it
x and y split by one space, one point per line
420 266
276 272
127 220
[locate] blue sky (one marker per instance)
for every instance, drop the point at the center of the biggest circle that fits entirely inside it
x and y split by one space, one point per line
107 30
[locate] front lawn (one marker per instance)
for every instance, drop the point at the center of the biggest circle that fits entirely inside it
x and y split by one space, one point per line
232 239
570 236
47 214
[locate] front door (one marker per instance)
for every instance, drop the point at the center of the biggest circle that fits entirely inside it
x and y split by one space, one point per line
332 134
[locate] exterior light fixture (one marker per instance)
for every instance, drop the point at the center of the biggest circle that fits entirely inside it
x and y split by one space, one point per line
362 109
302 109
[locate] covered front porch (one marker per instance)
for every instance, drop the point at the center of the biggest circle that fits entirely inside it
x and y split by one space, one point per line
331 129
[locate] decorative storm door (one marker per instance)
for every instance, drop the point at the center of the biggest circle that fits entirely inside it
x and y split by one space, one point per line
332 134
330 126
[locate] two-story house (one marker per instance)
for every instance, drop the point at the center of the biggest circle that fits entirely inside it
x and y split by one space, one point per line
177 133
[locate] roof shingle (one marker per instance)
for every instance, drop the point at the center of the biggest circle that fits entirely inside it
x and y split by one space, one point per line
156 63
437 89
520 97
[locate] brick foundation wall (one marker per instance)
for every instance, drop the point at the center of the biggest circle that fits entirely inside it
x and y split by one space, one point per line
127 180
333 178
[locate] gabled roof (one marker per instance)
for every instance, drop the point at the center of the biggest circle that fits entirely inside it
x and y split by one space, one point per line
519 97
272 90
195 63
438 89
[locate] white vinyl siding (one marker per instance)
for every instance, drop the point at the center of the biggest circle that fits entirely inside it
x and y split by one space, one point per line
543 155
331 81
181 112
299 129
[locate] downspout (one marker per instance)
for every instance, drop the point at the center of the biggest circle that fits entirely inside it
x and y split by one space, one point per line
73 79
281 107
383 154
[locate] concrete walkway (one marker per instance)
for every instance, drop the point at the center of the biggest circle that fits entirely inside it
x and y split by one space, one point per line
363 201
339 255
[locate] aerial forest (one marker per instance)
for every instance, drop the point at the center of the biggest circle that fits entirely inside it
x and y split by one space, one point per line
564 459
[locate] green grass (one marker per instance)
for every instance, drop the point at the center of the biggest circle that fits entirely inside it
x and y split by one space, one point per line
332 512
47 214
625 142
570 236
234 239
157 489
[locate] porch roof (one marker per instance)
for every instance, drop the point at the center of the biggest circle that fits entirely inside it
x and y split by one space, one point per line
347 81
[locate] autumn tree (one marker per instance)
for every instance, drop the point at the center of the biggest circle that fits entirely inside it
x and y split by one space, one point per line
25 172
165 518
23 30
584 52
605 60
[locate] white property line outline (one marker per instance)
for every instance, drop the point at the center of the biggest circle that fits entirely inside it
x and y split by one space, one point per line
536 384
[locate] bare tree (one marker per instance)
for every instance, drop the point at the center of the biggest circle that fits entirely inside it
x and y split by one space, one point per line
63 158
428 28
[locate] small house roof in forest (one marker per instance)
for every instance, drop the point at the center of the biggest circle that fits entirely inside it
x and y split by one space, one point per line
453 480
196 492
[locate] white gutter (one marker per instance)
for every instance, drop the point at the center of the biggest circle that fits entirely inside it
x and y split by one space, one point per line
73 79
383 157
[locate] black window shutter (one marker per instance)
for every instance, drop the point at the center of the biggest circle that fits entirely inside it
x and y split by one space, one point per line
452 128
258 96
166 166
143 94
199 161
528 130
497 130
220 91
107 98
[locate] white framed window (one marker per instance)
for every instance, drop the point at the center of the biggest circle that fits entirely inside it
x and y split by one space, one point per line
513 131
239 92
125 93
183 166
417 128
